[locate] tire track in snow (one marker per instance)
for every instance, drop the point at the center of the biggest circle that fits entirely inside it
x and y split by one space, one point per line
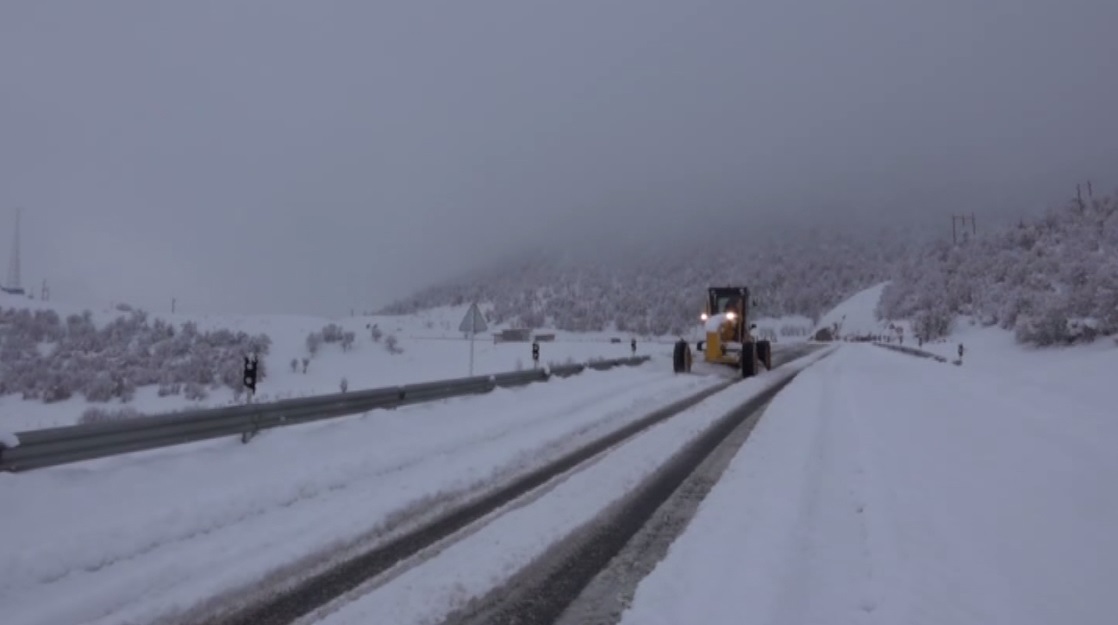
544 590
832 570
336 582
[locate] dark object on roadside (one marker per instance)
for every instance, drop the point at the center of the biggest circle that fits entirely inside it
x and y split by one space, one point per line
681 357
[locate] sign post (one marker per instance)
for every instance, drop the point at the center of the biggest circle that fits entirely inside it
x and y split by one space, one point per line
250 375
473 323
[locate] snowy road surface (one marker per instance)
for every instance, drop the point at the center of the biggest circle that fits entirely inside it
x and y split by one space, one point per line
489 557
127 539
877 488
881 488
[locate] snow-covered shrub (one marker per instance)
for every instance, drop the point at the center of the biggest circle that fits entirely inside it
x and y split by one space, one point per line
1052 281
100 415
194 391
392 344
314 341
332 333
101 388
44 357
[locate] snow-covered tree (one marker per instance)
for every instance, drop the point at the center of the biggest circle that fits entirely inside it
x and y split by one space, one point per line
1052 280
314 341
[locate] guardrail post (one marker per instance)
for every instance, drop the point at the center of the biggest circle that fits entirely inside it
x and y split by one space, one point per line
249 434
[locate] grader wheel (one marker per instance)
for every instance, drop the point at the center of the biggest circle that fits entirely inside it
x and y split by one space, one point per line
748 360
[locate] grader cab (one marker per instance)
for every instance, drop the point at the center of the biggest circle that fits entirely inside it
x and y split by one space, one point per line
728 334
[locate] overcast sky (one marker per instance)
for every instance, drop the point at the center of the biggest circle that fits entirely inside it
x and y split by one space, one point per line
274 155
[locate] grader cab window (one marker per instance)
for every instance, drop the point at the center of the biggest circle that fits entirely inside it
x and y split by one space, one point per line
726 302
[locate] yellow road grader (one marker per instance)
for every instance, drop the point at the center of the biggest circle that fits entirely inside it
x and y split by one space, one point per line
728 334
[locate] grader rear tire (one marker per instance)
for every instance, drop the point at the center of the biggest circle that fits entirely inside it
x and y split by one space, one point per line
748 360
765 354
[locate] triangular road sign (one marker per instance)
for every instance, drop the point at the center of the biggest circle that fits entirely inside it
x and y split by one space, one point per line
473 322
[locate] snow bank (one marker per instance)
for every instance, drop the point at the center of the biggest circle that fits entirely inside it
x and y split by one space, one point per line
888 489
8 439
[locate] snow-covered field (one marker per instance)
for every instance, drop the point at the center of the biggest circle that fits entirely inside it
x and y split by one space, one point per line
884 488
432 347
122 540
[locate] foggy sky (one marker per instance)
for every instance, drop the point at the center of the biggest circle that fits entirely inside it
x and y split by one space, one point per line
309 157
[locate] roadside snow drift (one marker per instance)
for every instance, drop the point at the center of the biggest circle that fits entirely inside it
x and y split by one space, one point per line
882 488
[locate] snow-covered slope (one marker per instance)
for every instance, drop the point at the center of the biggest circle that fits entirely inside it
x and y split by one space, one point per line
660 289
857 315
1052 280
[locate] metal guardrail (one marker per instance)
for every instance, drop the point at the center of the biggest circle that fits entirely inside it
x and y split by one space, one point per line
912 351
62 445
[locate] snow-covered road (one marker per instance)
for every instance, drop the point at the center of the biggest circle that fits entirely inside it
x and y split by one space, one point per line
881 488
127 539
495 553
877 488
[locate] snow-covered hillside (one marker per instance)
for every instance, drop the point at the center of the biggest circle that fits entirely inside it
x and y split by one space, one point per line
660 290
1051 281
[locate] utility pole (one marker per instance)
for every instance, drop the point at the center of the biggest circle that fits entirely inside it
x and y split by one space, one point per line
962 220
1079 194
13 285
